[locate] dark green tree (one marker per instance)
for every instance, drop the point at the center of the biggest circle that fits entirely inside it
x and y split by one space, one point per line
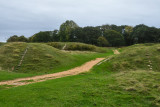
77 35
41 37
22 39
90 35
54 35
127 35
144 34
114 38
15 38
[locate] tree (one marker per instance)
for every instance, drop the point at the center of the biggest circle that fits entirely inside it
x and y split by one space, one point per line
15 38
114 38
91 34
77 35
22 39
41 37
127 35
54 35
102 41
144 34
65 30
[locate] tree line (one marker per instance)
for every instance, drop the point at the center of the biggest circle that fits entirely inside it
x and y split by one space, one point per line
105 35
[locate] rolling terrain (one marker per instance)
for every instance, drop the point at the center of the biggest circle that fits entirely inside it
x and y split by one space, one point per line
128 79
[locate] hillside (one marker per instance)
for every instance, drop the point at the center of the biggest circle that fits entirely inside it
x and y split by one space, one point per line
140 56
40 58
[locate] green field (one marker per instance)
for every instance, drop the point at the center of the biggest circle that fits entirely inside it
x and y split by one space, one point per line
125 80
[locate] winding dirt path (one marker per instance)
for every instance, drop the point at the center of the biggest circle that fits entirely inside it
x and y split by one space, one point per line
23 81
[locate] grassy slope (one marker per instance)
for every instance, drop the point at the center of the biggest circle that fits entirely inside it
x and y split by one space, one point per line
40 59
137 57
101 87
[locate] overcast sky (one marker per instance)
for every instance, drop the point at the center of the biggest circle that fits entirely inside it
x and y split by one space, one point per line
26 17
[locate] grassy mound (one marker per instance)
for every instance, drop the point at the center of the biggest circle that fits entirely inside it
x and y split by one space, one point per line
140 56
77 46
39 57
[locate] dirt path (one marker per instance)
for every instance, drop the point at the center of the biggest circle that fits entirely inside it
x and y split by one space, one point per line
116 52
23 81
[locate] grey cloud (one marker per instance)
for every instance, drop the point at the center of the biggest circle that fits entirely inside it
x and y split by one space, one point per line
30 16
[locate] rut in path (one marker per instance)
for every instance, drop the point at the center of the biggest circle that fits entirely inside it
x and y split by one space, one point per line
23 81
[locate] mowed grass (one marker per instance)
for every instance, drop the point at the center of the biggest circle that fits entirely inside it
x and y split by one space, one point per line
104 86
5 75
40 59
98 88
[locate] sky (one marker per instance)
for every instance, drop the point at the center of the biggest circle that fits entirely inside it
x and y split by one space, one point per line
27 17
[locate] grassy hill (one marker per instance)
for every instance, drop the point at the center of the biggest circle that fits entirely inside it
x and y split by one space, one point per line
40 58
140 56
125 80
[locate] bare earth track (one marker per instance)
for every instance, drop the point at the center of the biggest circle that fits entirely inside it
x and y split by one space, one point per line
23 81
116 52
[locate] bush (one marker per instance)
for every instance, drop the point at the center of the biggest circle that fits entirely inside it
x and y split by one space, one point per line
77 46
81 47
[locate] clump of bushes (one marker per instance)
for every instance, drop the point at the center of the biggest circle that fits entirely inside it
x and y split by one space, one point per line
56 45
72 46
80 47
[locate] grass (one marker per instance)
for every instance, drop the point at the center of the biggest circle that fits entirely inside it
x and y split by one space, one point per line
96 88
106 85
5 75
